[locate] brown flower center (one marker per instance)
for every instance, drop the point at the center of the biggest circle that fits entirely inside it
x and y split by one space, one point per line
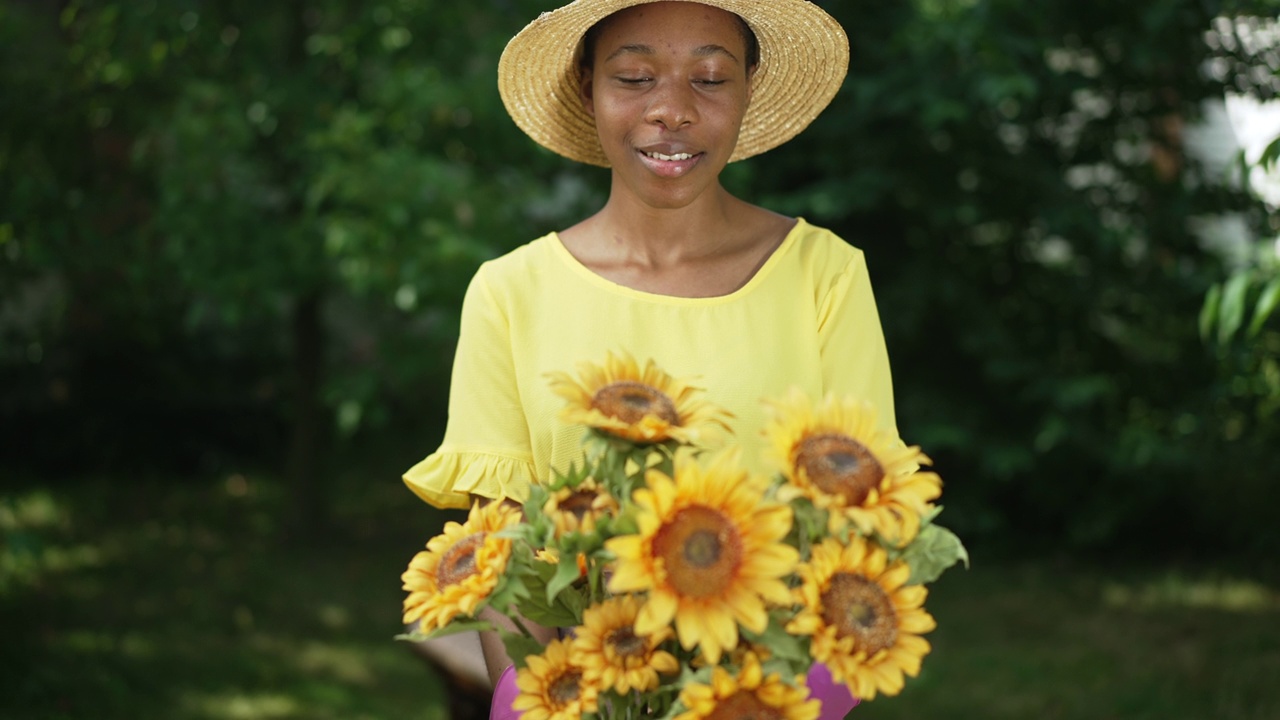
630 401
459 562
859 608
700 550
566 688
744 705
626 643
579 503
839 465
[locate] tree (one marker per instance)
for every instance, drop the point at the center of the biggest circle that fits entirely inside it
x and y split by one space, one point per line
1017 177
310 181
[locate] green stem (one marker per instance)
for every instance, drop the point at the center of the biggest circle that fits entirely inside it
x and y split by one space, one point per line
515 618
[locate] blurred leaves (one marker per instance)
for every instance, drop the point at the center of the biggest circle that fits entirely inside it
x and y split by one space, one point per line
190 176
1019 179
1245 295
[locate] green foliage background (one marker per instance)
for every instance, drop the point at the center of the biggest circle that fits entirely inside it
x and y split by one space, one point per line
236 234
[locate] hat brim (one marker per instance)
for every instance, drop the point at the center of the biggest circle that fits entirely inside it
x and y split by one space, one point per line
804 55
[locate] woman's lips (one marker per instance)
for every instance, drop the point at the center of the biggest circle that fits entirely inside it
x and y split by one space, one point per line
669 164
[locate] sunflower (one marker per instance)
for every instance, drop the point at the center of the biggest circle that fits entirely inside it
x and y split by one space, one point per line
578 509
552 686
614 655
641 405
748 695
708 551
460 567
864 621
836 456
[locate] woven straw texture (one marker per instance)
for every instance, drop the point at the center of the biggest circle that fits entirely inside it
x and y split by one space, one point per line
804 56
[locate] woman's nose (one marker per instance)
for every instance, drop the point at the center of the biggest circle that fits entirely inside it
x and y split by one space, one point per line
674 105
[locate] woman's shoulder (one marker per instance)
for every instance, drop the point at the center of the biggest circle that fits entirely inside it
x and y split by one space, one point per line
520 264
822 250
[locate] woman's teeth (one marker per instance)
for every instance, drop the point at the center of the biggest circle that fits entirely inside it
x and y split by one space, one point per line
660 156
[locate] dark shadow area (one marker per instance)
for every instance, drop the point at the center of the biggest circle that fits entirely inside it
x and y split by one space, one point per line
127 598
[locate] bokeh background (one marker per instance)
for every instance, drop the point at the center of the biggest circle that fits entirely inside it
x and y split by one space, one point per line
234 237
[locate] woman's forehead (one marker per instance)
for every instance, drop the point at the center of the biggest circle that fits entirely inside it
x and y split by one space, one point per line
652 22
667 16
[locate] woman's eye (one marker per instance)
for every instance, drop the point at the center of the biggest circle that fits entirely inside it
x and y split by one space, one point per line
710 82
633 80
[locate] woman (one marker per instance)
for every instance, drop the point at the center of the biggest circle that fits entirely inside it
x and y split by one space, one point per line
673 267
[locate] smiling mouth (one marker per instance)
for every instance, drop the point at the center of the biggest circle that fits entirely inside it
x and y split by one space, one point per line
660 156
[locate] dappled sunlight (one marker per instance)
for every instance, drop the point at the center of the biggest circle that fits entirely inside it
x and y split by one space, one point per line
88 642
24 564
33 510
137 646
1175 591
333 616
1060 639
124 599
30 526
347 663
237 485
241 706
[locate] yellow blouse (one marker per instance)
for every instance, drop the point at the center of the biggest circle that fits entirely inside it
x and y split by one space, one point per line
807 318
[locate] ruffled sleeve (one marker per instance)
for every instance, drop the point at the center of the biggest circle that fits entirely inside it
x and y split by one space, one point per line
486 449
448 478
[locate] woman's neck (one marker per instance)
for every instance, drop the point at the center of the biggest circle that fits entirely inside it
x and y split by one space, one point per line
628 231
707 248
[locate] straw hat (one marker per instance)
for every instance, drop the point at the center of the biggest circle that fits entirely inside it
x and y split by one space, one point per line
804 55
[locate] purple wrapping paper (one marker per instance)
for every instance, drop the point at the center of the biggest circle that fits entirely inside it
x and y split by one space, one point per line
836 698
504 693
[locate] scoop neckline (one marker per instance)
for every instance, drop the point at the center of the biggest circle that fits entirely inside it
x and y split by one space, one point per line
759 277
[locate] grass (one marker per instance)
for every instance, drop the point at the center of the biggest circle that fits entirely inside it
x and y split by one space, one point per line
145 601
1067 641
131 599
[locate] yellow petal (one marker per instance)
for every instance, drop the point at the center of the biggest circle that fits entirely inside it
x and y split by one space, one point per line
656 613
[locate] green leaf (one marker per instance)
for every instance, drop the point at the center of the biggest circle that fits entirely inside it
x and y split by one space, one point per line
566 573
930 514
1209 311
782 644
557 614
1270 155
562 608
452 628
1267 303
513 590
933 551
520 647
1231 314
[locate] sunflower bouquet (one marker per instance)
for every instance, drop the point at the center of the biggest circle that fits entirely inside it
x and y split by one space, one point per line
686 586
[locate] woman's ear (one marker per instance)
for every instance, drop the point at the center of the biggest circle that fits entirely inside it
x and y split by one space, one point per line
586 91
751 83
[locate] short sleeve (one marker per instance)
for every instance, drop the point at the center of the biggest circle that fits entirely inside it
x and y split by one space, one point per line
855 360
486 449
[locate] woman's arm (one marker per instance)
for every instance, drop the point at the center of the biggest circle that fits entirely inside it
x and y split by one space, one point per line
495 653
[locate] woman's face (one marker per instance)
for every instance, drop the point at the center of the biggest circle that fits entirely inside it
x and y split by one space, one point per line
668 89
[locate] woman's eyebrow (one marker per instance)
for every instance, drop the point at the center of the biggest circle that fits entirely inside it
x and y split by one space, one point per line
703 51
636 49
706 50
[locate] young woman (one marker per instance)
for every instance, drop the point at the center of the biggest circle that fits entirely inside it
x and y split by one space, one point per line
673 267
